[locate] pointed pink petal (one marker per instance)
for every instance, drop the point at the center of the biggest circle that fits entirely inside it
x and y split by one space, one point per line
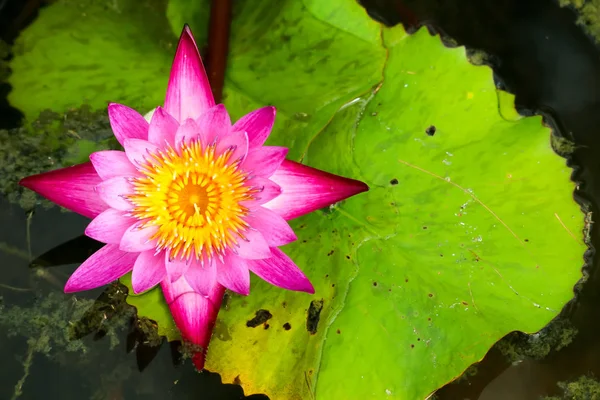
111 163
257 125
138 151
127 123
148 271
236 141
162 128
264 161
104 266
201 277
139 238
175 267
188 93
267 191
272 226
305 189
188 132
71 187
194 314
280 270
255 246
214 123
233 274
109 226
113 192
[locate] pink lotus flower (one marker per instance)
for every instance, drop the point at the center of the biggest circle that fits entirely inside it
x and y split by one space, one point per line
193 203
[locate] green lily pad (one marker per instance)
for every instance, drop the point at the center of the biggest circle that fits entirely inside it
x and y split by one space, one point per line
93 52
469 230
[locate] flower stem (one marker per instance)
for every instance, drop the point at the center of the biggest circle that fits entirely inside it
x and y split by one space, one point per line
26 366
218 45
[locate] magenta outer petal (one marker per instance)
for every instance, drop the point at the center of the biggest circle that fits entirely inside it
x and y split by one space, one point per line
187 132
104 266
113 191
233 274
127 123
257 124
188 93
268 190
194 314
201 277
272 226
280 270
71 187
148 271
255 247
138 239
305 189
109 226
162 128
175 267
112 163
214 123
138 151
264 161
237 141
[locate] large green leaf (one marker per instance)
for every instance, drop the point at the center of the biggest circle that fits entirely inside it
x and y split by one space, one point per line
93 52
465 235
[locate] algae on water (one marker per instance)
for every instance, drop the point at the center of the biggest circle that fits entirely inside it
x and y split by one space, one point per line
588 12
51 141
518 346
583 388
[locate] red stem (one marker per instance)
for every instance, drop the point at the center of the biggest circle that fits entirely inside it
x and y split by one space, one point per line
218 45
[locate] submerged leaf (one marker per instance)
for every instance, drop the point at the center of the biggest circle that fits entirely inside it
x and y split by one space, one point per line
151 304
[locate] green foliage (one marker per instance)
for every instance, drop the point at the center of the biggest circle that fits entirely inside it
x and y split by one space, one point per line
51 141
152 304
584 388
53 322
83 52
556 335
588 15
469 231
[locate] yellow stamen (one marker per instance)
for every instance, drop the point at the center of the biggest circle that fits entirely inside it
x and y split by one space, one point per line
193 195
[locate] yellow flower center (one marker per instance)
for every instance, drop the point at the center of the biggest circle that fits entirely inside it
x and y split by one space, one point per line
193 196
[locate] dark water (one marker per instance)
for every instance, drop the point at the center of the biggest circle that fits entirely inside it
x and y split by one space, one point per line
538 53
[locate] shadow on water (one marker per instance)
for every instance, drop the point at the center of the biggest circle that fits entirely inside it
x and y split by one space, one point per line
541 55
537 52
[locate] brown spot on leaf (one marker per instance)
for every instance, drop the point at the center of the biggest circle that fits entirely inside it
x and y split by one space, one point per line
260 317
314 315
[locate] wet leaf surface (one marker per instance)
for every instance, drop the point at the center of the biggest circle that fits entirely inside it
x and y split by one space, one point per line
470 215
